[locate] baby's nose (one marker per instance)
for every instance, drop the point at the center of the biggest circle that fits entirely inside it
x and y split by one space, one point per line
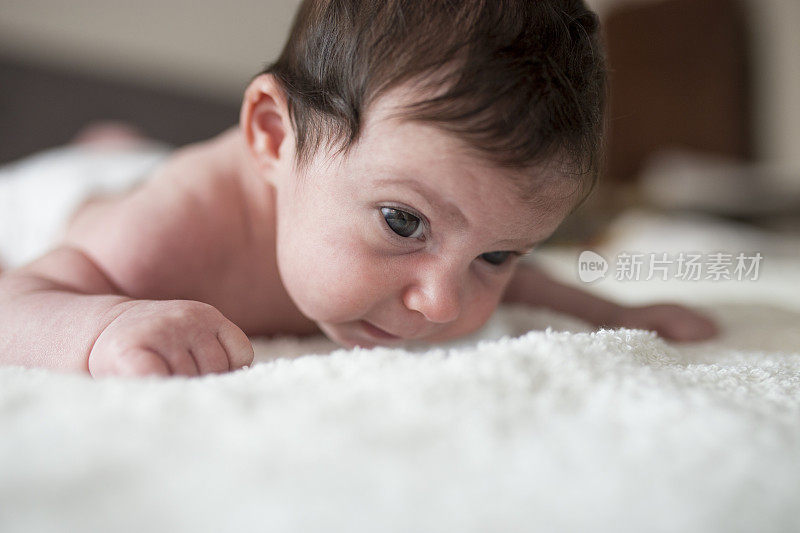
438 299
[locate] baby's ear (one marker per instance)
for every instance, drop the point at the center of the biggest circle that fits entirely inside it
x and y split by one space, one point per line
265 122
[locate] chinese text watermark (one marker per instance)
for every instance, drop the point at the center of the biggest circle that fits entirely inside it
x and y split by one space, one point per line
683 266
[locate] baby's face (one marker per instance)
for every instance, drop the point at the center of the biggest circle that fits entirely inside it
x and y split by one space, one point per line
406 238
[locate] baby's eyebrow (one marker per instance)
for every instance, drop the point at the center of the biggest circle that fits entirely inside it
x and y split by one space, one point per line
523 248
449 208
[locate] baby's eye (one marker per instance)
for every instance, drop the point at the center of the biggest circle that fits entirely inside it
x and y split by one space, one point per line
403 223
496 258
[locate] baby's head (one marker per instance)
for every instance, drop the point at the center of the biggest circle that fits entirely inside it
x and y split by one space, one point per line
417 149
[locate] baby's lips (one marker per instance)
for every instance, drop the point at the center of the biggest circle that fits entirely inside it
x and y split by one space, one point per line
377 332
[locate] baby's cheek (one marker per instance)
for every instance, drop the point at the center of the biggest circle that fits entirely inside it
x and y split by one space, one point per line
332 284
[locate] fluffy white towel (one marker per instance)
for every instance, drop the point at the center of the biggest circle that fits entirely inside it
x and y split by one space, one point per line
551 431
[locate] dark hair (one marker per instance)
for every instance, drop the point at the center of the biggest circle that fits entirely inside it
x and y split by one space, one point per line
519 81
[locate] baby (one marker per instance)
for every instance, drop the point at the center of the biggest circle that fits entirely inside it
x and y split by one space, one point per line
387 173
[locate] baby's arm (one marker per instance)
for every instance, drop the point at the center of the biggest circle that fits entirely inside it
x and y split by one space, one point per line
61 312
53 309
99 303
531 286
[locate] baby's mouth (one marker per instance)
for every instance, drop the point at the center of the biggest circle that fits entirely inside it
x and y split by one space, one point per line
374 331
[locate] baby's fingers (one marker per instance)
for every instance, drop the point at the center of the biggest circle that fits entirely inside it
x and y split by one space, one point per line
138 362
210 355
236 345
689 329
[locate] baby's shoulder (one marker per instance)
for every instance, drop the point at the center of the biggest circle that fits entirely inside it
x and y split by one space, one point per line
188 216
199 170
201 189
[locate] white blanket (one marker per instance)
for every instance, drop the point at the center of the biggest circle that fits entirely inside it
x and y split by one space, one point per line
558 429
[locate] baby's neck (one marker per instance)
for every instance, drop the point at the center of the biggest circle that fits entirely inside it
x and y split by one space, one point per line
230 153
234 160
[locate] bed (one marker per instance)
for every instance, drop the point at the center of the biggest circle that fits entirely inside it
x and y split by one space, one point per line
536 423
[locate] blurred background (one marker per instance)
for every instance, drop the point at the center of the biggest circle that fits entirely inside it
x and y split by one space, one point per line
704 113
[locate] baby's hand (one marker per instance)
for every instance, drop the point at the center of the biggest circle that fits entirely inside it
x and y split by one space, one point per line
673 322
169 337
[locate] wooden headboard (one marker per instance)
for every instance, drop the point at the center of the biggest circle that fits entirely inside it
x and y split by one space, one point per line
679 78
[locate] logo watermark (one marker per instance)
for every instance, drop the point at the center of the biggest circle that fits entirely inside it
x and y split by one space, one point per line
683 266
591 266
